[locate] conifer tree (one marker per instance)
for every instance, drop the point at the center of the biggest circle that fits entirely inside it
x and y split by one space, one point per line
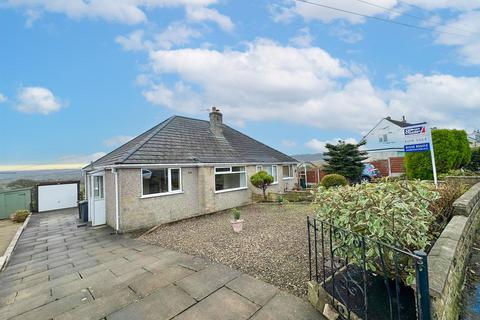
345 159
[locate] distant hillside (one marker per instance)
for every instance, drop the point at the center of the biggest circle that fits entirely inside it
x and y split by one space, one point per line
310 157
40 175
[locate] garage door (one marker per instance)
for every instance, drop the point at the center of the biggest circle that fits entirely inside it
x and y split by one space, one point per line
57 196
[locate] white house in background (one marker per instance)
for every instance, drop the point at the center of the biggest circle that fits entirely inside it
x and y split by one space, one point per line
386 139
474 139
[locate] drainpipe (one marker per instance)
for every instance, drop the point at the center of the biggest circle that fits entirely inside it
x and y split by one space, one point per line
117 213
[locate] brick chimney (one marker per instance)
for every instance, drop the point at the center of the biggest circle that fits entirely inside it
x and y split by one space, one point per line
216 120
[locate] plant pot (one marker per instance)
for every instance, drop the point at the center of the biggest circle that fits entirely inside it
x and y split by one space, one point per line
237 225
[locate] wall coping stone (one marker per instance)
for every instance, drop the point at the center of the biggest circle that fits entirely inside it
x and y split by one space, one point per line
447 258
442 255
468 201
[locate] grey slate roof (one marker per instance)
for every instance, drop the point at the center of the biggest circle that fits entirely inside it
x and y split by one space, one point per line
185 140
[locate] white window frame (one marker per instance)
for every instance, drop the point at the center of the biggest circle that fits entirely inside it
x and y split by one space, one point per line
272 165
230 171
291 172
169 192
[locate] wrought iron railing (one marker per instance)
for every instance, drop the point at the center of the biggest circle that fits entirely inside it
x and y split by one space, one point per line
363 278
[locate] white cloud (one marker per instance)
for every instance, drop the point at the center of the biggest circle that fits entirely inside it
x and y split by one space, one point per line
319 146
207 14
37 100
309 12
133 41
176 34
346 34
122 11
81 158
2 98
303 38
468 40
303 85
117 140
444 100
289 143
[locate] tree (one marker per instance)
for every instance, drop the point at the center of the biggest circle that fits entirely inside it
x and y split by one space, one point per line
452 151
345 159
262 180
22 183
474 164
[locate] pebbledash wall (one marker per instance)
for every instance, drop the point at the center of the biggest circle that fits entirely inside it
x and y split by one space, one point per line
448 256
198 197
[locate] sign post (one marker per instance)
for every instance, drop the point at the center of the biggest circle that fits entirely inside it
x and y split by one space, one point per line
418 138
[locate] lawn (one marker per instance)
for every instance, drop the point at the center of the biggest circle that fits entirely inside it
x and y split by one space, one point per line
271 247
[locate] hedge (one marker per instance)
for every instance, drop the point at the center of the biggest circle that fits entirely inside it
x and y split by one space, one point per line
452 151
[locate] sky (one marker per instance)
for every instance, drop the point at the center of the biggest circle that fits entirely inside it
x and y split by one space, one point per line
78 78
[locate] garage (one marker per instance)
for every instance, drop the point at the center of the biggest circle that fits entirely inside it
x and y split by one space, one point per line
57 195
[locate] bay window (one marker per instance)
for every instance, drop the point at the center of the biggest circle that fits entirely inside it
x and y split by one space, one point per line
230 178
161 181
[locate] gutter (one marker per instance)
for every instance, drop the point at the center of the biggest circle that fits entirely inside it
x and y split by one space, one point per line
192 165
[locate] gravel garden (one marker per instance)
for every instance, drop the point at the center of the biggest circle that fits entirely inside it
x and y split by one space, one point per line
272 245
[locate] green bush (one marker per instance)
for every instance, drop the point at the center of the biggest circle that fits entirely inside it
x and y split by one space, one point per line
452 151
235 213
345 159
458 173
333 180
261 180
396 213
442 208
474 164
20 215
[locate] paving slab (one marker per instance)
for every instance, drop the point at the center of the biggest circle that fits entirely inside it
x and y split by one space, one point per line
163 304
148 284
287 307
204 282
253 289
224 304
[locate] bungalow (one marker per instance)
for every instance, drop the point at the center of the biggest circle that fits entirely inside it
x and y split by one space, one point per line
180 168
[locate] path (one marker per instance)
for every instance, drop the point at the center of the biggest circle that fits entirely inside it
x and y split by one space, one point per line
61 271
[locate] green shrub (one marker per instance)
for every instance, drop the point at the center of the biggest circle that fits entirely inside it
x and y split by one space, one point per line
261 180
280 199
235 213
20 215
345 159
442 208
396 213
474 164
452 151
458 173
333 180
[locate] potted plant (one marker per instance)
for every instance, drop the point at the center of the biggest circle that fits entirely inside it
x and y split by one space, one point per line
237 223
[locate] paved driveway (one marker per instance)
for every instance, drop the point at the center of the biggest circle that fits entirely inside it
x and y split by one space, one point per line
61 271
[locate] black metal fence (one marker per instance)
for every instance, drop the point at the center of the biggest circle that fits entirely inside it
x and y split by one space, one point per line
364 278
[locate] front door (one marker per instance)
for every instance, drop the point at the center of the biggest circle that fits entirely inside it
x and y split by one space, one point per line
98 198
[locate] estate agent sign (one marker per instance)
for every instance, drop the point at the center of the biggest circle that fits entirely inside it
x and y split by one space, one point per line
418 137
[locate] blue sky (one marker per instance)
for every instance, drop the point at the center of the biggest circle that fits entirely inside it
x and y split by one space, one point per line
77 78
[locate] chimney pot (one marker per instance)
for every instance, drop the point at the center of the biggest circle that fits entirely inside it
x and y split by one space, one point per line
403 119
216 120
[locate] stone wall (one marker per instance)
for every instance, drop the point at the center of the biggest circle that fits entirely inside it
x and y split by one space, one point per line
466 179
447 258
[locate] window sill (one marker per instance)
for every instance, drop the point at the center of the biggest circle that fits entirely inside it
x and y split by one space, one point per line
288 178
161 194
272 184
229 190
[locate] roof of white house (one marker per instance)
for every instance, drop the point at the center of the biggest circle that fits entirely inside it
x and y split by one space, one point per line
180 140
